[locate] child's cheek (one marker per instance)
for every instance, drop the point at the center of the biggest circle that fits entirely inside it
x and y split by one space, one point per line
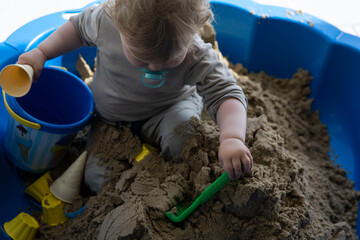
132 60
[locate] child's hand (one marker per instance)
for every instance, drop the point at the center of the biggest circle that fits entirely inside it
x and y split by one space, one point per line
34 58
235 157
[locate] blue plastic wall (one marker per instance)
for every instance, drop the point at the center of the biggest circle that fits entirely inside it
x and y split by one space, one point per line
260 37
269 39
13 200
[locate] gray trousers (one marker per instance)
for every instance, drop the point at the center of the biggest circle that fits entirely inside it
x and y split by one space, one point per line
157 131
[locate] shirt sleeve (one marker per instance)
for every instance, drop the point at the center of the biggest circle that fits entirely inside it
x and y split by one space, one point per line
213 80
87 24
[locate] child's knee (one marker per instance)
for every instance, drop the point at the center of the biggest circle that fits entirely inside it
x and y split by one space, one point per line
95 174
171 147
172 144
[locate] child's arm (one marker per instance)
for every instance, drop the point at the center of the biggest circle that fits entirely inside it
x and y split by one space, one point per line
61 41
233 154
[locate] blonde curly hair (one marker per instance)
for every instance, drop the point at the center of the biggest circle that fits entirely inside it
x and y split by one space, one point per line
158 29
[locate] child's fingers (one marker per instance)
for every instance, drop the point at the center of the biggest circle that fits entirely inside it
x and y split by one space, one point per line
238 168
251 160
247 162
228 167
36 76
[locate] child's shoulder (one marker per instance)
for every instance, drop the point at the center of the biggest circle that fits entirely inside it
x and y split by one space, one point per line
95 12
200 44
199 48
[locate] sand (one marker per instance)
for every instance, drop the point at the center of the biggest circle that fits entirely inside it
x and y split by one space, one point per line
294 191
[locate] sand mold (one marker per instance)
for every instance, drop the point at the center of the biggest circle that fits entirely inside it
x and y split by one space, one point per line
294 191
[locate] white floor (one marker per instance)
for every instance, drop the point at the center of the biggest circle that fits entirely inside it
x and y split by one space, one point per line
343 14
14 14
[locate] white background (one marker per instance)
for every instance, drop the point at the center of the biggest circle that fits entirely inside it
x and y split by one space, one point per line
344 14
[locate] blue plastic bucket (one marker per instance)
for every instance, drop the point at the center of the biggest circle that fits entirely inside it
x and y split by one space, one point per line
44 122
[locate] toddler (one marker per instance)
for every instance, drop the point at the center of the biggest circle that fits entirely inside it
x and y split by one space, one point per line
154 72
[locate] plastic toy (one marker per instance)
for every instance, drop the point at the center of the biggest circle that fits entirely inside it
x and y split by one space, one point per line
44 122
16 79
146 149
52 210
41 187
67 186
180 212
22 227
278 44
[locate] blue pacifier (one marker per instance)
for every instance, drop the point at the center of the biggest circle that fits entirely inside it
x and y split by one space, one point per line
156 79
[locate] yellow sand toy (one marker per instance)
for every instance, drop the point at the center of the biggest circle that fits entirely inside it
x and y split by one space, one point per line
146 149
22 227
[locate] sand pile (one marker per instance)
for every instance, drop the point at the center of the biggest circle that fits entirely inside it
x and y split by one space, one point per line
294 190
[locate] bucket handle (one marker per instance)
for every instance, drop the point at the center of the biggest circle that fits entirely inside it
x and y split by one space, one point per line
18 118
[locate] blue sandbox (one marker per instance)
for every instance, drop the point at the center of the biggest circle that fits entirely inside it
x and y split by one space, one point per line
262 38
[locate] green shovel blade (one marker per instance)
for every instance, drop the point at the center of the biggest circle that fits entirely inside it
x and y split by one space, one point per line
181 212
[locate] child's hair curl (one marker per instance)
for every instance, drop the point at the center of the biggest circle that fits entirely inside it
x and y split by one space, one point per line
158 29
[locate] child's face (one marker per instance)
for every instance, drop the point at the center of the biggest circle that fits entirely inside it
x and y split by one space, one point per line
153 66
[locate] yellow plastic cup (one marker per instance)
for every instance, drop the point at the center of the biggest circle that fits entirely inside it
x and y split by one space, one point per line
16 79
22 227
52 210
41 187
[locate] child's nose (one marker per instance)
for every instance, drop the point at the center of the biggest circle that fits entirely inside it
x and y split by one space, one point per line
155 67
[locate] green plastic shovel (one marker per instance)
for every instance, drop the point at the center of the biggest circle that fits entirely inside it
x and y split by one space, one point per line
182 212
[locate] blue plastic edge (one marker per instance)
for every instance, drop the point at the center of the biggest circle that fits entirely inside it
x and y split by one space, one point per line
337 51
277 35
3 234
24 39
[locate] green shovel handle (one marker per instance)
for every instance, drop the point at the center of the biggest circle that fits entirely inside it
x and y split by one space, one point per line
218 184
